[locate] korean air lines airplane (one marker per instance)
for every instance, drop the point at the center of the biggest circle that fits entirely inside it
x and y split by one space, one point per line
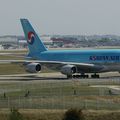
68 62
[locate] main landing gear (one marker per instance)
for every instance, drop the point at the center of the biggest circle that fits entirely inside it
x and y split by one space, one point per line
95 76
83 76
78 76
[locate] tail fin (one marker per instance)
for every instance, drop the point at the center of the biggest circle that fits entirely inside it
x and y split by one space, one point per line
34 43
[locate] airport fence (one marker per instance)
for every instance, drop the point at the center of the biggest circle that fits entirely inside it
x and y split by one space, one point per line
59 94
56 102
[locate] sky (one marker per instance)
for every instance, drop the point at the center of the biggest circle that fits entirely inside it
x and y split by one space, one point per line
66 17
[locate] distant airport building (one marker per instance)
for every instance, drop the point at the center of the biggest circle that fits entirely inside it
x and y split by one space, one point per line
1 47
46 40
14 42
64 41
8 40
22 44
54 41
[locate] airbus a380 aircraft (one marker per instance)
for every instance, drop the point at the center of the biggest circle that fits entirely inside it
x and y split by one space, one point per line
68 62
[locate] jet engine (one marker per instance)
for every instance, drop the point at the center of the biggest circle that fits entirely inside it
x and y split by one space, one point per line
33 67
68 69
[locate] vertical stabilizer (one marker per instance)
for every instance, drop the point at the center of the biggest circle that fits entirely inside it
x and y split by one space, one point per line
35 45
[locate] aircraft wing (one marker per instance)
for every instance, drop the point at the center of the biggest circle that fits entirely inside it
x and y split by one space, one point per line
57 64
45 62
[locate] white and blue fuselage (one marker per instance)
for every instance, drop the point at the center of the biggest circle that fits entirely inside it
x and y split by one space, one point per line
109 58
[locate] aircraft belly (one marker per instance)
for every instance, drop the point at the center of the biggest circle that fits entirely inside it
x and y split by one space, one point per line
89 69
113 67
99 68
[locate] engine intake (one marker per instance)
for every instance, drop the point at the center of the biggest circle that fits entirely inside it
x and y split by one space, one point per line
68 69
33 67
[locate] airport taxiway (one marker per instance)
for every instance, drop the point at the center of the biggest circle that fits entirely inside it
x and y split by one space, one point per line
106 77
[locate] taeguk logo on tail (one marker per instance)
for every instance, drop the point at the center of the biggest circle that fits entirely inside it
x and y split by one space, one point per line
31 37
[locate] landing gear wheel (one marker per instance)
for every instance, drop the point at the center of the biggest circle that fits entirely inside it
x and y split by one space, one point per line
81 76
87 76
95 76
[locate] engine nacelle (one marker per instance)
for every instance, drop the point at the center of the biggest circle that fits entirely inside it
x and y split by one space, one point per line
33 67
68 69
